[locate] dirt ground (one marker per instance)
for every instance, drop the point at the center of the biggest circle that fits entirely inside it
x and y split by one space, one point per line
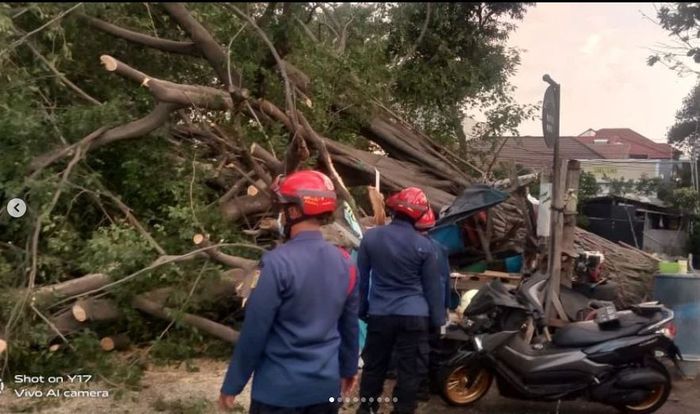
174 390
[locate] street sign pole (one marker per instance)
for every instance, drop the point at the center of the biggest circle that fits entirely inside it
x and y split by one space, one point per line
550 126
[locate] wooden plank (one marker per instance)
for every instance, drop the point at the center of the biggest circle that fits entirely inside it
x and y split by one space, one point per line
553 303
488 274
570 212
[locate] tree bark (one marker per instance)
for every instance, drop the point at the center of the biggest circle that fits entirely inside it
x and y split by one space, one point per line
165 45
233 261
134 129
95 310
205 42
396 141
275 165
235 209
72 287
117 342
66 324
213 328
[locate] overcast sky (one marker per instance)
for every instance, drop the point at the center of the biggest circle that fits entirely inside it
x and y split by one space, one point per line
597 52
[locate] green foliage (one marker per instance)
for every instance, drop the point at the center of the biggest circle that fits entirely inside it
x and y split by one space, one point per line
588 187
461 61
648 186
117 249
86 358
681 21
684 133
685 199
466 41
621 186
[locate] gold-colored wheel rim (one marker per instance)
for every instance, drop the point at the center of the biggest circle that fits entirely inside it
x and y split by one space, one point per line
459 390
653 398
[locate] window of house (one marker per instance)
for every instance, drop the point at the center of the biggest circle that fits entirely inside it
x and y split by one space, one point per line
600 141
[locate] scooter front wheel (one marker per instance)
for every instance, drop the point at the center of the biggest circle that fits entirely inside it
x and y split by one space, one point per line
463 385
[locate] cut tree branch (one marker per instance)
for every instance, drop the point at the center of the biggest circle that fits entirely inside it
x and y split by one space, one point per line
239 207
92 309
144 304
73 287
270 160
134 129
201 240
118 342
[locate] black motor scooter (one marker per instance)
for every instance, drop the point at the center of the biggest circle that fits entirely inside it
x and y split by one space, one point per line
612 362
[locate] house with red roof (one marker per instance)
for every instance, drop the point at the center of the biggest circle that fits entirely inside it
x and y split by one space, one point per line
608 153
624 143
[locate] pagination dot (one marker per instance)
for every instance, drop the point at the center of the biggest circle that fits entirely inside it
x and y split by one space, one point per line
331 399
395 399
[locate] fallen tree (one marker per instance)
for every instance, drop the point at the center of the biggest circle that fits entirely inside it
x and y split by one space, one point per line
222 124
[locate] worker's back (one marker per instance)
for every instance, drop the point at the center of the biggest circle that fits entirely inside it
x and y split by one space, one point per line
302 360
396 255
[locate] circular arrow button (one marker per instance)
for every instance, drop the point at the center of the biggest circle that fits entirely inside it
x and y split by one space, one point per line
16 207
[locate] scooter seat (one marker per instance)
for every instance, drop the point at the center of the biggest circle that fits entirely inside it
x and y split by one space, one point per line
589 333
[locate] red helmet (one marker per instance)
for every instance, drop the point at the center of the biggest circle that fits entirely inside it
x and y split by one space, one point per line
311 190
427 221
410 201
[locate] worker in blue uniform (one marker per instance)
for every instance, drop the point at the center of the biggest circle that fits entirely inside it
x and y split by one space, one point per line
300 334
427 222
405 301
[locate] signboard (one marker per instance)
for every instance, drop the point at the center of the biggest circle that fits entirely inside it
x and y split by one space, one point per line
550 116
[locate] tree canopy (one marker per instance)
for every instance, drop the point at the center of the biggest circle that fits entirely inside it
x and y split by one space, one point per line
123 165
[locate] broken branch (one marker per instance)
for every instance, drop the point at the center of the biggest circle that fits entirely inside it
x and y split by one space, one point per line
201 240
216 329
